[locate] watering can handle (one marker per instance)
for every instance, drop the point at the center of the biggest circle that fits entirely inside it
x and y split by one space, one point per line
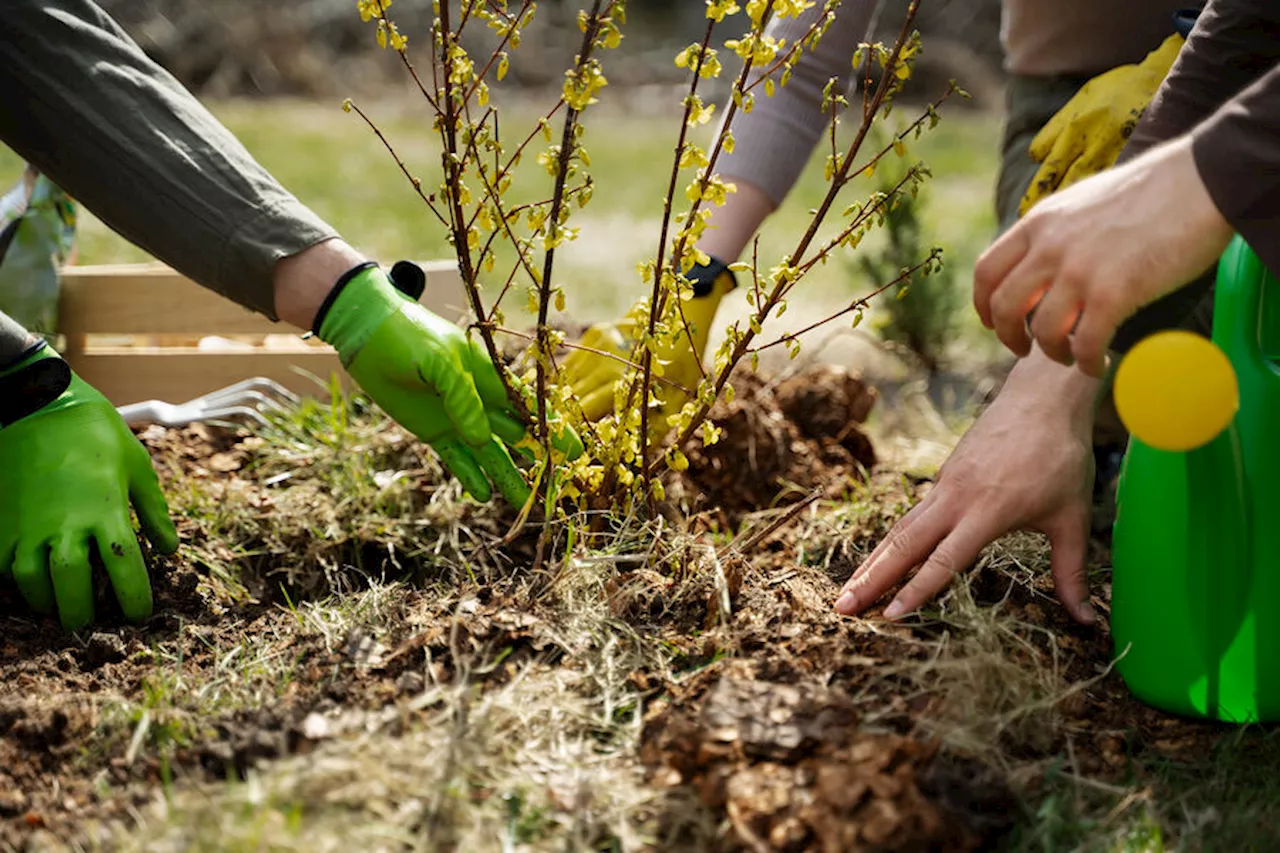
1237 303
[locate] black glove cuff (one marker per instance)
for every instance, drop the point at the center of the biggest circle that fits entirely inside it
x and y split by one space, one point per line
703 276
1184 20
407 277
33 386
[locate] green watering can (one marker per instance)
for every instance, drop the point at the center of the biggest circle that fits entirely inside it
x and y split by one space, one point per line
1195 610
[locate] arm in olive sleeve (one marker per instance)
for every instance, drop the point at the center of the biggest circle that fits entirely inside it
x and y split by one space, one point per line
80 100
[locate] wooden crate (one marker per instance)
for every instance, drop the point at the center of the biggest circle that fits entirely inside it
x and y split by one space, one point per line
139 332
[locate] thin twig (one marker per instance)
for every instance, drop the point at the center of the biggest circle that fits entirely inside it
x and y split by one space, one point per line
454 171
546 356
792 511
655 305
404 58
857 305
417 184
841 177
567 146
679 386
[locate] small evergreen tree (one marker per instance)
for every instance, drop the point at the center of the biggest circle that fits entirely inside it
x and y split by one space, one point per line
923 316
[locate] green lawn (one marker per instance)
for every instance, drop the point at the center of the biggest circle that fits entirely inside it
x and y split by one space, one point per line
332 161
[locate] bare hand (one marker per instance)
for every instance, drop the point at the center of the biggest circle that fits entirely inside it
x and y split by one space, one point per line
1025 464
1087 258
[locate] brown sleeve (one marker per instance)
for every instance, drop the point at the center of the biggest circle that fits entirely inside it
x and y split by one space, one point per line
1223 90
80 100
1237 151
1234 44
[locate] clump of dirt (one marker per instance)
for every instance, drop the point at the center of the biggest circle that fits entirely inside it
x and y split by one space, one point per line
198 450
831 402
780 443
790 768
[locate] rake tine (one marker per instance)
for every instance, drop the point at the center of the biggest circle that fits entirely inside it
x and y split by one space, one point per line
270 386
243 399
215 415
240 398
256 388
264 391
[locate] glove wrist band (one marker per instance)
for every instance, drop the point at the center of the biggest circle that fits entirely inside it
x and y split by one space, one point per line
704 276
35 381
1184 20
406 276
335 291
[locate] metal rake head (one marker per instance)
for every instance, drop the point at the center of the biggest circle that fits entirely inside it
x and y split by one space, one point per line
247 399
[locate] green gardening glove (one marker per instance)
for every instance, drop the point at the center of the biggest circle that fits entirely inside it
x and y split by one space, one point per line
428 375
69 470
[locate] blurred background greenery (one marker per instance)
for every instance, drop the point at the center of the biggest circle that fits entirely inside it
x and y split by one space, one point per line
277 74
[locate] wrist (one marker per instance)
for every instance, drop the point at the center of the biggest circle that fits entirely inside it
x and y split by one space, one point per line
1043 383
302 282
713 278
1184 21
15 341
35 350
731 225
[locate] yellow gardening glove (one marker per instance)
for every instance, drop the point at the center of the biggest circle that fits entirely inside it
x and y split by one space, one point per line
1087 135
592 376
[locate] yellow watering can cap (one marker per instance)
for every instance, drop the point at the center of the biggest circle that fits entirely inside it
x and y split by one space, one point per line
1176 391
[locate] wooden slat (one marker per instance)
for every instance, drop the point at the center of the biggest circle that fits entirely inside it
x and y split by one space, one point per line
175 376
162 314
153 299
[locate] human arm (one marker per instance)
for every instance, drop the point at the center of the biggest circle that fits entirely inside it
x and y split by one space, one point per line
775 140
83 103
1089 257
1202 164
1024 464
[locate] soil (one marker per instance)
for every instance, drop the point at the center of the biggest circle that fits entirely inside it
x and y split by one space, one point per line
782 443
796 729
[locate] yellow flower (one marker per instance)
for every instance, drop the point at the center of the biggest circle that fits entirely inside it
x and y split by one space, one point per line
791 8
718 9
370 9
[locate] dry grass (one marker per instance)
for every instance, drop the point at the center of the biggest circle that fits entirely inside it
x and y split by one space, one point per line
533 765
316 489
998 679
536 757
